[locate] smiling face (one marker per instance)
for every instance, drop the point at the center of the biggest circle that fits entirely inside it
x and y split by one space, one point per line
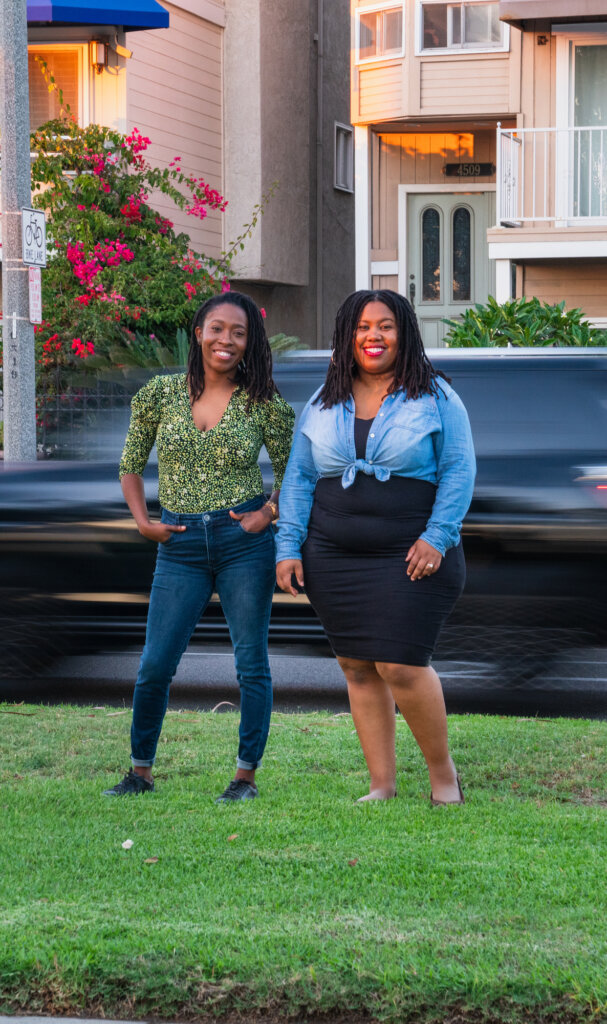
223 338
375 343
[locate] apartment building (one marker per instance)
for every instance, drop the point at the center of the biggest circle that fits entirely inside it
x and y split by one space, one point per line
248 93
479 136
551 215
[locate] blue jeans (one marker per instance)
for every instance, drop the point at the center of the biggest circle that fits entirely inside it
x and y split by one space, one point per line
213 553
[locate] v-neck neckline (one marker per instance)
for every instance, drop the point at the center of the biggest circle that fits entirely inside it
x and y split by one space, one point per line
199 430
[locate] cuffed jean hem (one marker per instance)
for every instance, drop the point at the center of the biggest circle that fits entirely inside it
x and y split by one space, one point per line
141 764
246 765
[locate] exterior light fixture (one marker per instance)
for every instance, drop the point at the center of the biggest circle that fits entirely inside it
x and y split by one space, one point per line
98 55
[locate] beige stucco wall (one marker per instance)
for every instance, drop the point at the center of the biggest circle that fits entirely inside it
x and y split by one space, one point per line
267 119
174 96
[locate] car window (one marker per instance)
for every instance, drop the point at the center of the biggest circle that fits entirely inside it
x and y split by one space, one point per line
534 408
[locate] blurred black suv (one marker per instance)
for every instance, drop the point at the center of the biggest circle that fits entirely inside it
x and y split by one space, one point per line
75 574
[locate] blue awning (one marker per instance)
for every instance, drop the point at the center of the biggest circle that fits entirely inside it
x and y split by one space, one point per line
132 14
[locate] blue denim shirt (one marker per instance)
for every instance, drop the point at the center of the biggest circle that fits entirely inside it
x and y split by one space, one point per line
427 439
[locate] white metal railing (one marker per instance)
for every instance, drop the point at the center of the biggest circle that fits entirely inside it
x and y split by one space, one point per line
556 175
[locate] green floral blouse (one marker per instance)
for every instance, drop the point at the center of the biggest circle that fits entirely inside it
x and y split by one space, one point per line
198 470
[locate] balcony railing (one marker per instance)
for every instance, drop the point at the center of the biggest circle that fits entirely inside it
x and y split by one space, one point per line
553 175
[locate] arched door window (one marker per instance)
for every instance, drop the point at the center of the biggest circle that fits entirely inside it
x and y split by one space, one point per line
431 255
461 256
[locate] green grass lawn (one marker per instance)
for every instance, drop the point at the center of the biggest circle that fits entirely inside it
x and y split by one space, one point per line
302 901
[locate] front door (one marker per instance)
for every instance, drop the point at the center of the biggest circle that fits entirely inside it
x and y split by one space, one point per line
448 268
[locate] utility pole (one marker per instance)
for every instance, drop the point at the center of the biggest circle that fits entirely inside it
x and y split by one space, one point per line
17 332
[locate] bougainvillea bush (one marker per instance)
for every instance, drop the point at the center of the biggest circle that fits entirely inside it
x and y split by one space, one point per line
121 284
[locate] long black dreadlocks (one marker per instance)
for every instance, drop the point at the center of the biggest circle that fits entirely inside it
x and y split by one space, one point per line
413 370
254 372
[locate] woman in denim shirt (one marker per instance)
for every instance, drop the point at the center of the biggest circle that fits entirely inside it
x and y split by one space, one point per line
378 482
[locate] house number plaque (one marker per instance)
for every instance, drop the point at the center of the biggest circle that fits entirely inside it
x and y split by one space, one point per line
472 170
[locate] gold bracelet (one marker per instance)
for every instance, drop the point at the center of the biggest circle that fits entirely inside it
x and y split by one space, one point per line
273 509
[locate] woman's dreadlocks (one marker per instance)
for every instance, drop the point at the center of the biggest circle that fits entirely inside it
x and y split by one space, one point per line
254 372
413 371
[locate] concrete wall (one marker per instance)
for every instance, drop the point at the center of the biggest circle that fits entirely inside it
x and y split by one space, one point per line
267 113
299 263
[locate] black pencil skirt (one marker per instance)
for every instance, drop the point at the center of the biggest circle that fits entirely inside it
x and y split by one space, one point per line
356 575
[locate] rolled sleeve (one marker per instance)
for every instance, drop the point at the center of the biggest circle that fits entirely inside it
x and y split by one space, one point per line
296 498
145 417
456 470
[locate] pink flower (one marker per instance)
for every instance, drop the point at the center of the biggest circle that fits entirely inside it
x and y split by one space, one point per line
132 209
80 207
163 224
225 285
81 349
263 312
137 142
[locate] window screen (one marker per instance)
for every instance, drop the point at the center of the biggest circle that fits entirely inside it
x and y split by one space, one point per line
344 158
63 65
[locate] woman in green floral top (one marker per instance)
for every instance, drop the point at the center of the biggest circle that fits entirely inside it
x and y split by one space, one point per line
215 531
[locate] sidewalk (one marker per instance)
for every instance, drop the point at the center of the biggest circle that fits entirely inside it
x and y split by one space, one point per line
64 1020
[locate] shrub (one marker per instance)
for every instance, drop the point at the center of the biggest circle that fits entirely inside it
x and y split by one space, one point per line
522 322
119 280
121 284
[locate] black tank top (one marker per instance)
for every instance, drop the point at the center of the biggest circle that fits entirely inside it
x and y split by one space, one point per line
367 495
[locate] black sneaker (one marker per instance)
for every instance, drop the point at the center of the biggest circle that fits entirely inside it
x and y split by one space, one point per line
239 789
131 785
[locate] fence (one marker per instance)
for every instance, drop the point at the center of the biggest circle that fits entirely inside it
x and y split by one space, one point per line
556 175
83 422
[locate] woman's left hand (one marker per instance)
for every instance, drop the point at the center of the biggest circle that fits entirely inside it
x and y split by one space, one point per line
254 522
423 560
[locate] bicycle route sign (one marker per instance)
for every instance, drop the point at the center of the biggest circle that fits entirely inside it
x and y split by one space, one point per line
33 237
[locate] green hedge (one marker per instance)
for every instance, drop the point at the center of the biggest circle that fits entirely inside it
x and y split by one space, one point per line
522 322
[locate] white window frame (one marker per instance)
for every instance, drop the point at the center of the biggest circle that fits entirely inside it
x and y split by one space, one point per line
82 49
567 36
381 57
461 51
347 132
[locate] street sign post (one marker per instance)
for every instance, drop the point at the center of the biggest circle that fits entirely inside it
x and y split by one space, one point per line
15 197
33 237
35 290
